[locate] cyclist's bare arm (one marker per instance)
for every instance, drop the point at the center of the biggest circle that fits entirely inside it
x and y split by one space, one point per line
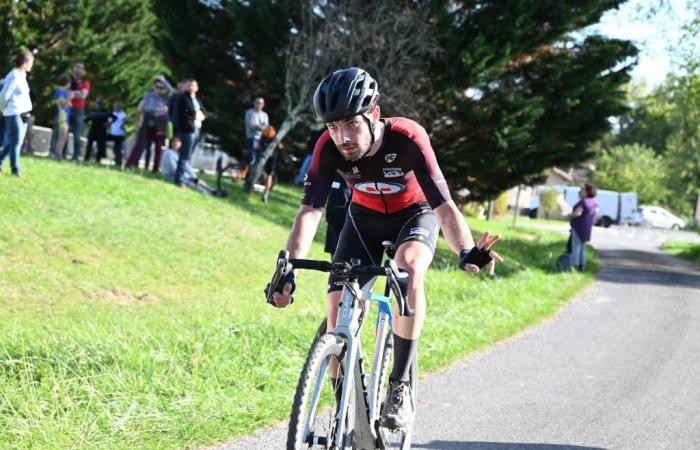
298 244
303 231
459 236
454 227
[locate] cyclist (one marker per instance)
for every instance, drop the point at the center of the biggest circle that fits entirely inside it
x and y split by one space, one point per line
399 194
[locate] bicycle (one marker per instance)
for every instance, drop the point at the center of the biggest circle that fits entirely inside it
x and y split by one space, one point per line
343 413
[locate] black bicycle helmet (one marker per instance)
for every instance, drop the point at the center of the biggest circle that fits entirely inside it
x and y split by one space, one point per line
345 93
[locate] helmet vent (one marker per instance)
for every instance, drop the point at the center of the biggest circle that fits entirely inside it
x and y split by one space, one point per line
343 94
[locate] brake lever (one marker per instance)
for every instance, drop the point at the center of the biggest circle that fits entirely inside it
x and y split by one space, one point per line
282 269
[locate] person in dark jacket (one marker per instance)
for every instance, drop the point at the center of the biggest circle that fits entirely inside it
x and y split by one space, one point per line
98 119
185 128
172 102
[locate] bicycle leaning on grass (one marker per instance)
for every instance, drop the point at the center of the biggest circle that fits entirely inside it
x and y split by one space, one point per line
337 405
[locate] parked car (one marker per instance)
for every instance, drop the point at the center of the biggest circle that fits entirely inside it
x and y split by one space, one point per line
657 217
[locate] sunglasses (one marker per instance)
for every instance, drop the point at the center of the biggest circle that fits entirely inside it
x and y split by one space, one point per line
159 86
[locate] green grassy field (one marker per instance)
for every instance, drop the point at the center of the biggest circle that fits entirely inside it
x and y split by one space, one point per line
687 250
132 313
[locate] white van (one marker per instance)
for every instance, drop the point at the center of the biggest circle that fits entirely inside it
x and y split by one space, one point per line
613 207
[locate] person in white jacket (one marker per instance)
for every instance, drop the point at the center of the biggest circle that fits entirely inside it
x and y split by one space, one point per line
16 106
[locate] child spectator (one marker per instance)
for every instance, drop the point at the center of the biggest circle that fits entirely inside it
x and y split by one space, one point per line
117 132
98 119
63 96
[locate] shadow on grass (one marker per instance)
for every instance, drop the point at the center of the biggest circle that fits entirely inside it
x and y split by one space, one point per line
519 254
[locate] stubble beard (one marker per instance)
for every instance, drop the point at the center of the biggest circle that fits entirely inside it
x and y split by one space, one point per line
357 155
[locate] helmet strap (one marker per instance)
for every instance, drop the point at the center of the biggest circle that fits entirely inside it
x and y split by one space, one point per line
371 126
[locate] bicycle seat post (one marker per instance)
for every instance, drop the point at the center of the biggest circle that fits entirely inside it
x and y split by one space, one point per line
389 248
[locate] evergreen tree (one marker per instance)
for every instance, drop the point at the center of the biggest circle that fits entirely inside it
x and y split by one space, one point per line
114 39
235 51
518 94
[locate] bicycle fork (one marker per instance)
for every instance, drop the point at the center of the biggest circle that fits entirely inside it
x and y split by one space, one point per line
366 408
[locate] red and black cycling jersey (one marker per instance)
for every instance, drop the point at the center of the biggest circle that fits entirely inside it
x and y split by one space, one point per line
402 173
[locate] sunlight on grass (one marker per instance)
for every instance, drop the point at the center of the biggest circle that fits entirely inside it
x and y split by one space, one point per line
132 313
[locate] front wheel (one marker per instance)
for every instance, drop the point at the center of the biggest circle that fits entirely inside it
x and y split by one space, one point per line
313 420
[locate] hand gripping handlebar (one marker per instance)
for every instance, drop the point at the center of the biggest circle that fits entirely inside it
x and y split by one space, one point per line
397 279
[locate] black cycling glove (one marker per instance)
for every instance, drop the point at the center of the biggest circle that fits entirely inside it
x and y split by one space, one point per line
289 278
477 256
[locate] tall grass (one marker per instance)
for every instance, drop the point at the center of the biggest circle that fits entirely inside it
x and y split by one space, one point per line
132 313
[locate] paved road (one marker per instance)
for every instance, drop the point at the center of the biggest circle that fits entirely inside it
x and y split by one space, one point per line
618 368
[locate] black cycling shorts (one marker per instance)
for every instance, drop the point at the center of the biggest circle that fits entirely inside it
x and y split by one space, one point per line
365 229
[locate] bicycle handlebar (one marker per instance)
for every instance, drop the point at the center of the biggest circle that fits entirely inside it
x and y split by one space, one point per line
398 281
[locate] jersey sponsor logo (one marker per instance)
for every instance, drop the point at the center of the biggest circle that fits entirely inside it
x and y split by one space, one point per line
419 231
393 172
379 187
354 172
390 157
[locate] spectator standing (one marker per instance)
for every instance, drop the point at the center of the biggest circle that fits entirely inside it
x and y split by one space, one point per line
62 96
81 89
154 125
98 119
199 111
172 103
582 219
336 210
185 130
117 132
256 120
16 106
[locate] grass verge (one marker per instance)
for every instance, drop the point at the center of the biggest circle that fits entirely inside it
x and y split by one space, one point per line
687 250
132 314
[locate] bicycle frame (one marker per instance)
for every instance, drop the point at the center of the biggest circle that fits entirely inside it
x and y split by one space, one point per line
349 323
351 314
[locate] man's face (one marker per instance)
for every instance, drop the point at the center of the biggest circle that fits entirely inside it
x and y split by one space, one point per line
351 136
176 144
78 70
259 104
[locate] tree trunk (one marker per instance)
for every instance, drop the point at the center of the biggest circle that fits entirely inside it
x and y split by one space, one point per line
289 123
516 210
